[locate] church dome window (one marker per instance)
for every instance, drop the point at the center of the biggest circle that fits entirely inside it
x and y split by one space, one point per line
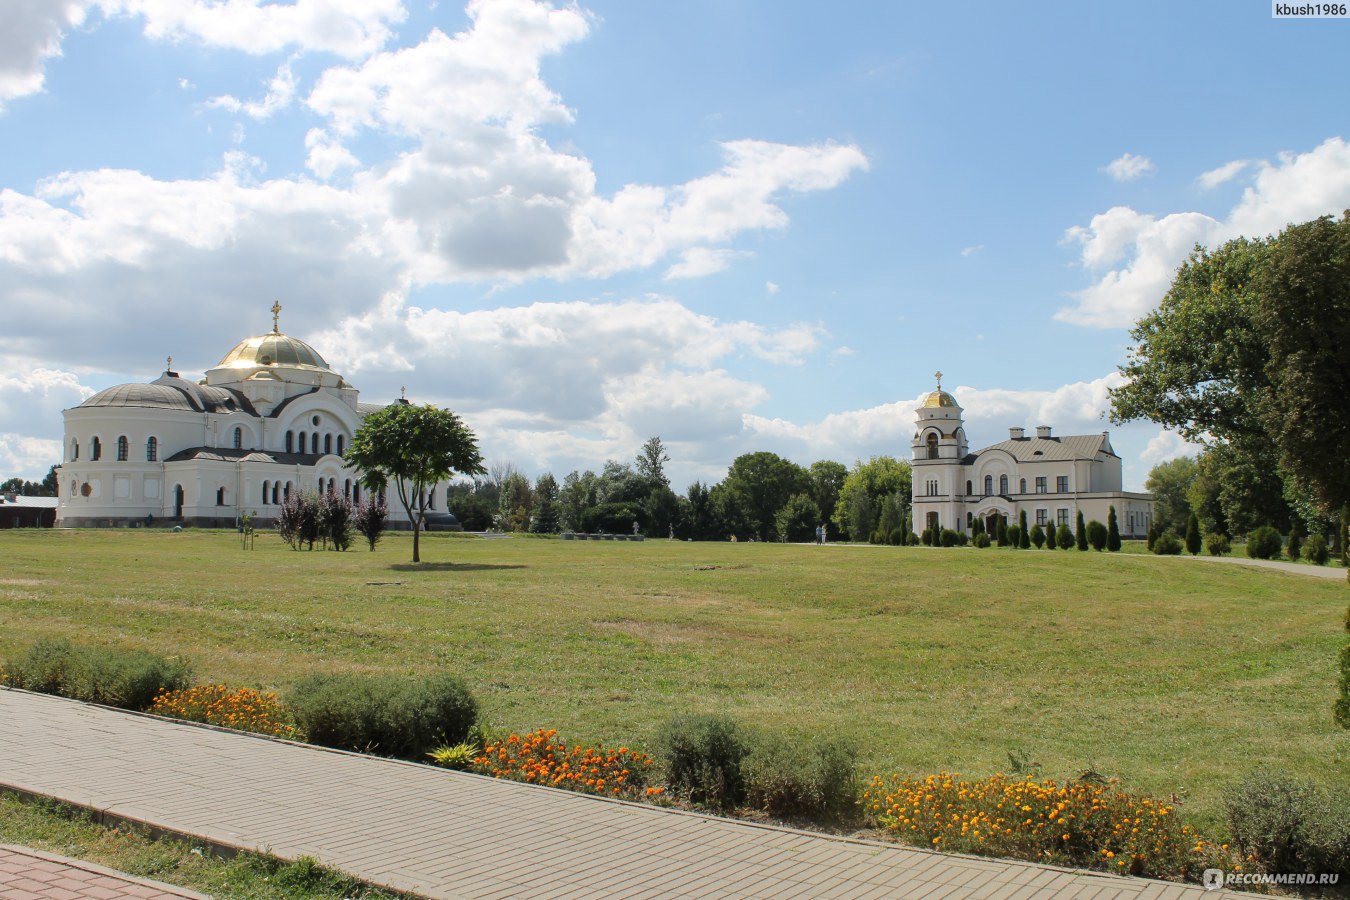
1003 484
988 485
932 443
74 450
151 449
238 438
96 450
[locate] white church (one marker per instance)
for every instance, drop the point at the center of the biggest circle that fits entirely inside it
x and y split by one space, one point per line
270 418
1052 478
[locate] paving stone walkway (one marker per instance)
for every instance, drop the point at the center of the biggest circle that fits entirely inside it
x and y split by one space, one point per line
448 834
27 874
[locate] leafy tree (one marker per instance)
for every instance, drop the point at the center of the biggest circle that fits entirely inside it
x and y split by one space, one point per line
662 509
1037 535
474 506
894 515
827 481
1193 535
1169 482
414 447
1295 546
796 522
546 512
44 488
335 514
651 462
699 519
1015 536
760 484
579 493
874 480
729 514
1112 531
1082 532
1023 536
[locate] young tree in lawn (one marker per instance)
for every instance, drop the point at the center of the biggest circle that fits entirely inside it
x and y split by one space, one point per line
1082 533
1023 535
1193 534
414 447
1112 531
1037 535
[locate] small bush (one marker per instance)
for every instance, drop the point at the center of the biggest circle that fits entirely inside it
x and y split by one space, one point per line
704 757
949 538
1295 546
913 539
1290 825
128 679
1097 535
897 537
1014 537
1217 544
1316 550
1193 534
1263 543
404 718
371 517
1064 537
802 778
982 540
1167 544
459 756
1038 535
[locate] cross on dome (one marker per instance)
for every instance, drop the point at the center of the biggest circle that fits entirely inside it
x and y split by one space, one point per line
276 315
938 376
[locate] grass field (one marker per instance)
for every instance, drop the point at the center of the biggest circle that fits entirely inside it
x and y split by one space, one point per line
1175 676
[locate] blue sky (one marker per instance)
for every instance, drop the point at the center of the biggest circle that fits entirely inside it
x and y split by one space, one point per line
738 225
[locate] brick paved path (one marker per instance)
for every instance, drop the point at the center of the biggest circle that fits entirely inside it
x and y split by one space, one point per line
447 834
34 875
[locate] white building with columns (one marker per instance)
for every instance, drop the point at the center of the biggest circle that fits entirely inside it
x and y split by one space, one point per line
1052 478
270 418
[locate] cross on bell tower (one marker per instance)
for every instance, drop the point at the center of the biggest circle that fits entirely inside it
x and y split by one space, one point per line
938 376
276 315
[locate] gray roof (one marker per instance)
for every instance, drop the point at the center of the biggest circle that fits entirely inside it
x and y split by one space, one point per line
29 502
1035 449
172 392
230 454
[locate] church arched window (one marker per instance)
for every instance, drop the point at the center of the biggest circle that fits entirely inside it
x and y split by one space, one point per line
152 449
932 446
327 443
239 439
1003 484
96 450
286 494
264 492
290 442
314 442
342 442
970 488
276 492
1022 486
74 450
123 448
300 447
356 492
988 485
220 496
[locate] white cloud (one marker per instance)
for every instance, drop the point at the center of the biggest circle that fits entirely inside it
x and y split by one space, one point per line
32 35
326 156
770 287
1128 167
1167 445
1146 250
699 261
31 400
347 28
1222 175
971 251
280 91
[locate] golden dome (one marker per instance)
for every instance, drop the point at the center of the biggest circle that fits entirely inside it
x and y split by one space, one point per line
273 349
939 398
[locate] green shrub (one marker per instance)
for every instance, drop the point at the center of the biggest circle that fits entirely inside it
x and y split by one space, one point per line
1217 544
704 756
1097 534
982 540
949 538
401 717
1064 537
1014 537
802 778
1167 544
897 537
1080 532
1263 543
1193 534
1290 825
1038 535
1316 551
913 539
1113 532
1295 546
128 679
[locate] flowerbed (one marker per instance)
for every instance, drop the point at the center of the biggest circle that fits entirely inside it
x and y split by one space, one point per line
1077 823
541 758
244 709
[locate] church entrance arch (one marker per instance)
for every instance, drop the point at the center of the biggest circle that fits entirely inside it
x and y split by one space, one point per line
178 501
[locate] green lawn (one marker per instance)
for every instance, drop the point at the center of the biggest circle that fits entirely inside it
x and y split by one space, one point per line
1174 676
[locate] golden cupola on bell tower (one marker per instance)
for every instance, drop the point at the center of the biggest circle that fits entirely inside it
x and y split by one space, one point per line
940 435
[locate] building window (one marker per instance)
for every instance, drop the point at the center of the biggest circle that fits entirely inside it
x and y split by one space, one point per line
1062 516
970 519
327 443
1040 484
152 449
220 496
988 485
239 439
342 441
931 486
96 450
276 492
932 446
1042 516
300 447
1022 486
932 520
286 492
314 442
290 442
123 448
265 492
1003 485
1062 484
970 488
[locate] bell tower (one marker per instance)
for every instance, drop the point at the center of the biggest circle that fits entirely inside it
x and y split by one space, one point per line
938 448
